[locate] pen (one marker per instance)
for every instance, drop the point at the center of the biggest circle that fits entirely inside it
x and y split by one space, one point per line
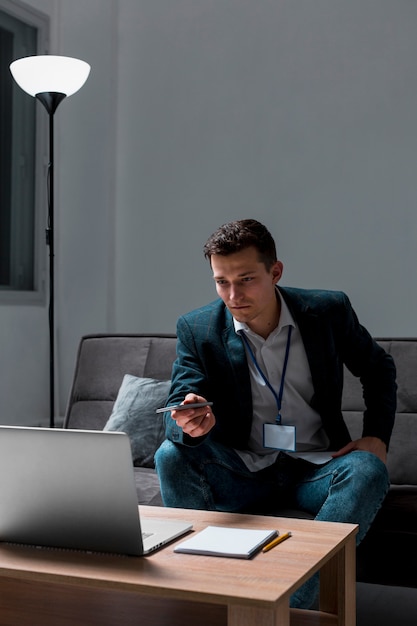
276 541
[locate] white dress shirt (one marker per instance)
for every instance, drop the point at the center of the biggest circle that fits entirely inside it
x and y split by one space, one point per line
297 394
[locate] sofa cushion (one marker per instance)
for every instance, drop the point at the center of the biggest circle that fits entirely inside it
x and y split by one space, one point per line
134 413
147 486
101 363
402 458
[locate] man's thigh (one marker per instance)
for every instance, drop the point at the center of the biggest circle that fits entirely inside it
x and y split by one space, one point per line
212 476
234 488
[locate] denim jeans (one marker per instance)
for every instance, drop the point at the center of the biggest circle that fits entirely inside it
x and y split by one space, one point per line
212 477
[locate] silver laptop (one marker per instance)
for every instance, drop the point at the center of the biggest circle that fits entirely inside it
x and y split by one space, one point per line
74 489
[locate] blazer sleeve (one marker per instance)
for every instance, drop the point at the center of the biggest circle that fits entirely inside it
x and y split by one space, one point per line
211 362
377 373
188 376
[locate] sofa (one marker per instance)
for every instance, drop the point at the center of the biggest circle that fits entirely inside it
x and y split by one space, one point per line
108 364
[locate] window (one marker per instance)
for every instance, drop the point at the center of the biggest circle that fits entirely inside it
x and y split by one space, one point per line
22 33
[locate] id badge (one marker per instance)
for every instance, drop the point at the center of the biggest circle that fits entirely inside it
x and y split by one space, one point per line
279 436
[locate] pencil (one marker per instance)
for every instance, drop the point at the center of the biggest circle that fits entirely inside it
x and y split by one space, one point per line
276 541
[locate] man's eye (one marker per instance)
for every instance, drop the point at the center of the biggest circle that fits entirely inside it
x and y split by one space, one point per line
247 279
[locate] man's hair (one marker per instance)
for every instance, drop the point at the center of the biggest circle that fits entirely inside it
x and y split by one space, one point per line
239 235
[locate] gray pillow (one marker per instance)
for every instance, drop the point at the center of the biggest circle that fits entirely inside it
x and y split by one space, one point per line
134 414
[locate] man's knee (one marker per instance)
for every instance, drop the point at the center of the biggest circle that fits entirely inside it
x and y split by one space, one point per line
370 470
167 456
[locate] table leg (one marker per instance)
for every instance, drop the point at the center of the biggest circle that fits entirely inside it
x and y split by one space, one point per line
338 585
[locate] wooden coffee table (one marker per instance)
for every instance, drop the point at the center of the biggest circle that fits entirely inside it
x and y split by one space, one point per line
60 588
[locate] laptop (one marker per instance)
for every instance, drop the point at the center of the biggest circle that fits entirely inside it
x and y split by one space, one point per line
74 489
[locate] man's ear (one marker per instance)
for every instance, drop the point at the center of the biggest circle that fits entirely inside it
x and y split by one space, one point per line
277 270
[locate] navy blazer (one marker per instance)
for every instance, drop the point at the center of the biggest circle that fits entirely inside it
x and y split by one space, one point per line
211 362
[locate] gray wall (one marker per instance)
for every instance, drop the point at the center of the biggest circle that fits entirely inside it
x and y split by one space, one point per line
298 113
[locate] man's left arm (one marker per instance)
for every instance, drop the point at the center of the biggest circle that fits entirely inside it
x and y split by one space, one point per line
377 373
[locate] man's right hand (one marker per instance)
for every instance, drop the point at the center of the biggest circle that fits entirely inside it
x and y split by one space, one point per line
195 422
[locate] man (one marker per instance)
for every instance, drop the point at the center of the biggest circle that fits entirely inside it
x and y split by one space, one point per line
271 361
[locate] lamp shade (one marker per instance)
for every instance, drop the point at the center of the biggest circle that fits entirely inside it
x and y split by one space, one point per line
50 74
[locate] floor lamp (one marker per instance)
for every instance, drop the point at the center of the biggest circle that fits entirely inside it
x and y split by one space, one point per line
50 79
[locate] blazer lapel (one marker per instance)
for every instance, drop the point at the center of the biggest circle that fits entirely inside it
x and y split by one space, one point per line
311 329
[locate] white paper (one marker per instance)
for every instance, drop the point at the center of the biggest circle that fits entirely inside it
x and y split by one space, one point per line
224 541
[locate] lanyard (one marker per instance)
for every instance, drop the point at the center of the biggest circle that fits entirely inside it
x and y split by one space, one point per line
278 397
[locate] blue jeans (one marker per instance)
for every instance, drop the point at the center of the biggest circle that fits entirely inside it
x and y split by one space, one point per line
212 477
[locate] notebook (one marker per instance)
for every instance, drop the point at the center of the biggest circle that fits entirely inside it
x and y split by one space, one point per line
239 543
74 489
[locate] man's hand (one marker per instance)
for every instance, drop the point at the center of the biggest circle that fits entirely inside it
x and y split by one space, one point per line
194 422
368 444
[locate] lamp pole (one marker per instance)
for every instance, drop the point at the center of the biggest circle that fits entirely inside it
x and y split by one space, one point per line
50 101
50 79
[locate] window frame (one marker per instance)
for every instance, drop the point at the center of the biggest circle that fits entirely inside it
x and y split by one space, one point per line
37 295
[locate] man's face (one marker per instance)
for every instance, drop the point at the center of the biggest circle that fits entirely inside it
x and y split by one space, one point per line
246 287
